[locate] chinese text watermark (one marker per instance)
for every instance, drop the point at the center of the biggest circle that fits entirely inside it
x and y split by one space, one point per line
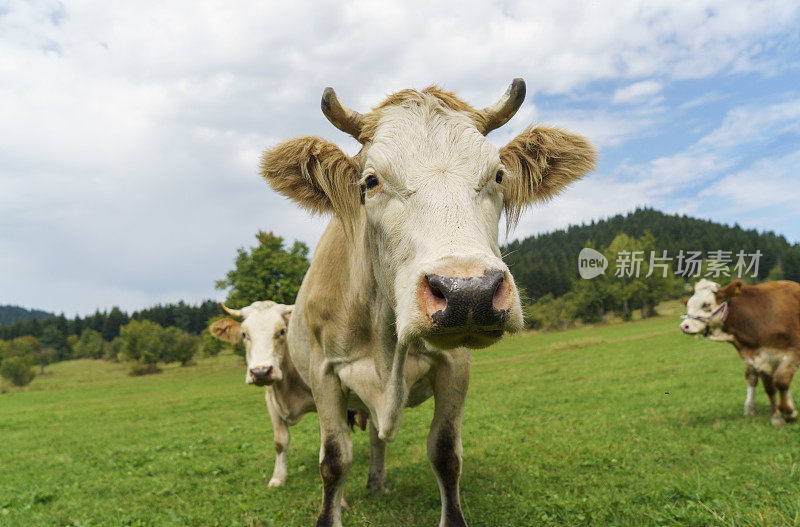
687 264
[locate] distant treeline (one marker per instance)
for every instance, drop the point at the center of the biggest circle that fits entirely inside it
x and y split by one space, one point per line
548 263
54 331
9 314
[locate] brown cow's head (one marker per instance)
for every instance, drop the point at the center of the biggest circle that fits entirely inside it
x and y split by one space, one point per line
430 189
263 329
704 310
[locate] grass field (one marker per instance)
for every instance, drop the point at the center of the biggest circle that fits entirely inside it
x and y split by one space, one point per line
624 424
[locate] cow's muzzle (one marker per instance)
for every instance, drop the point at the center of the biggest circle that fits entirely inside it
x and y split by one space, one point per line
468 301
466 311
262 375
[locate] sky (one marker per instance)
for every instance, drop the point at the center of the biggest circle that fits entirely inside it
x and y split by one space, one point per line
130 132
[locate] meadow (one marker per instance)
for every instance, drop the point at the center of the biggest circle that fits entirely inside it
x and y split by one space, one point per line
622 424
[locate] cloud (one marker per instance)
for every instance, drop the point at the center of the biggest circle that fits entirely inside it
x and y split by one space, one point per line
127 163
636 92
765 184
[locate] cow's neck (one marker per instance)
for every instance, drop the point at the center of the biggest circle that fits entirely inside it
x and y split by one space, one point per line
390 358
292 393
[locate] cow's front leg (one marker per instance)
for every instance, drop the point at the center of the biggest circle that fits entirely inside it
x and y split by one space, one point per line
783 380
751 376
451 380
336 449
376 482
280 432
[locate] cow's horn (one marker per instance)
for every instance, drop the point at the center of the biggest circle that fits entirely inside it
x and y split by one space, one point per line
345 119
500 112
232 312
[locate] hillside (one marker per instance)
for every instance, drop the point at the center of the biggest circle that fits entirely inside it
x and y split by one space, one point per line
9 314
547 263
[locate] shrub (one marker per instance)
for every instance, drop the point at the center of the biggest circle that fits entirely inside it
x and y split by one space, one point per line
90 345
17 370
141 342
178 346
146 344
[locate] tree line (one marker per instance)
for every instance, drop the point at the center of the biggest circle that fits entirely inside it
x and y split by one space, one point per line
547 263
545 267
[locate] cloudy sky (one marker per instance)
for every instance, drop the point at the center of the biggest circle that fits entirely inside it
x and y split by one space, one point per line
130 131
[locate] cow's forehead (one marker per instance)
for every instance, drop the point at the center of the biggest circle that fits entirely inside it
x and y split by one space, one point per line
700 297
263 319
423 137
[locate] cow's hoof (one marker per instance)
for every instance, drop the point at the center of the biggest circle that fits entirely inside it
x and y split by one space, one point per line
750 410
778 420
790 418
376 488
275 482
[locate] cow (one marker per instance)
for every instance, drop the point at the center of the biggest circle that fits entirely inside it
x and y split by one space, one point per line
763 324
263 330
408 276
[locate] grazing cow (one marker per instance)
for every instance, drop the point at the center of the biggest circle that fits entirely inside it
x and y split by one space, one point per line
408 273
263 329
763 324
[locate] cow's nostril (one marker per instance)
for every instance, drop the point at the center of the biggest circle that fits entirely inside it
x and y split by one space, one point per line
268 373
436 292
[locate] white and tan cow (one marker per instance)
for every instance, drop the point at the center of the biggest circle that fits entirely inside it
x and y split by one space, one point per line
263 329
408 275
763 324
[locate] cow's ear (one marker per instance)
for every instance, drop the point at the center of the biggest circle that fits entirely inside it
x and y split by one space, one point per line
540 162
685 300
227 329
287 313
314 173
729 291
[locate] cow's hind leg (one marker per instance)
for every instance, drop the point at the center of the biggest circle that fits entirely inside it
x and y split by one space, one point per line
336 450
751 376
769 388
376 482
783 380
451 381
280 431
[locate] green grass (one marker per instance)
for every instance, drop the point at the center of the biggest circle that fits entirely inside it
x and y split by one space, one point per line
625 424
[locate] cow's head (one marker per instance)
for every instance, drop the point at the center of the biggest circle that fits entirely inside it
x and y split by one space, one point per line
704 310
263 329
428 190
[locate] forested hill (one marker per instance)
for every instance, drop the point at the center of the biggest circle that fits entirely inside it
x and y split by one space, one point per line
9 314
548 263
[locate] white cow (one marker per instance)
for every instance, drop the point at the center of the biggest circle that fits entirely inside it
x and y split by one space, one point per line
408 273
263 330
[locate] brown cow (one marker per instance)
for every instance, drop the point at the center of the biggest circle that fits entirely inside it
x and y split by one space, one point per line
763 323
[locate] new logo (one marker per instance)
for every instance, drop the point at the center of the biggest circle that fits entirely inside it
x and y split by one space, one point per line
591 263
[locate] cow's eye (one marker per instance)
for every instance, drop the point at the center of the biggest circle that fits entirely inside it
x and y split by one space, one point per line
499 176
706 306
371 182
283 332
